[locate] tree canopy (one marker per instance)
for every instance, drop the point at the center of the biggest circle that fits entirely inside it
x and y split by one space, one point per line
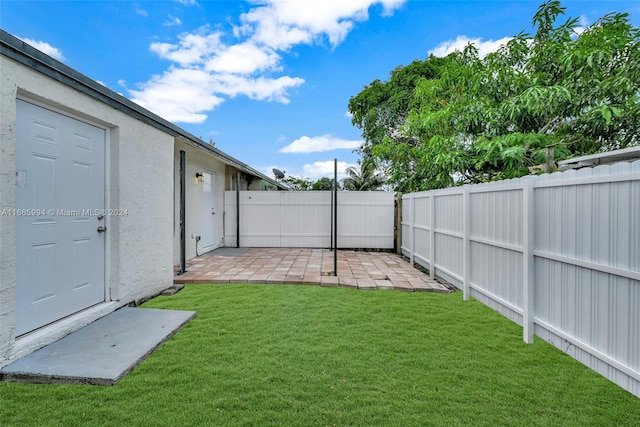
538 99
363 177
305 184
296 183
324 184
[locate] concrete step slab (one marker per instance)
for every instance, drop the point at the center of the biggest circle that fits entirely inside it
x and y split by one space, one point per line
101 353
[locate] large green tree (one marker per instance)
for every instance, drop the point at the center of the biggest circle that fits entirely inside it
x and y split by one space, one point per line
540 98
381 110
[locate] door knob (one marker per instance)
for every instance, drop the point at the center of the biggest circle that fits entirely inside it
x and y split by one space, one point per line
102 229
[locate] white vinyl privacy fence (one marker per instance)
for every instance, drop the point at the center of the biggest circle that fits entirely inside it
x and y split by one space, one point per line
303 219
558 254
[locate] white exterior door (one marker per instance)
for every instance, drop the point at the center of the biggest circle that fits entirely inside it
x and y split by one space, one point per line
209 241
60 194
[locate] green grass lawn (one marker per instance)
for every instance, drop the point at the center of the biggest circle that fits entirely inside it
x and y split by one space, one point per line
313 356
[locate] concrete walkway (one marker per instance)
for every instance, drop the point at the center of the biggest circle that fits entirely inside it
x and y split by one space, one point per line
102 352
356 269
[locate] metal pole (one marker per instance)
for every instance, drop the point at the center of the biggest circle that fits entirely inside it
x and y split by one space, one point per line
183 228
238 210
335 217
331 216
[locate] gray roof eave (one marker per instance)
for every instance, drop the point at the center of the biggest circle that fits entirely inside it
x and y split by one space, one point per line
607 157
23 53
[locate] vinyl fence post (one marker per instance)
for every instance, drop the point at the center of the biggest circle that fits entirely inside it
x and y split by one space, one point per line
397 222
466 244
432 235
412 238
528 272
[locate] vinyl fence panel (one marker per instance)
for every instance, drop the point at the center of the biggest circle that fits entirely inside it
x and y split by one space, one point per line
447 240
303 219
559 254
365 219
416 234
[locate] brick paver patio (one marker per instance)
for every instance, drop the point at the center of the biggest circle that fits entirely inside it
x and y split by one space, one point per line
356 269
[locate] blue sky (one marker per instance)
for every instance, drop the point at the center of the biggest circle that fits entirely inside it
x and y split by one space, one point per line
268 81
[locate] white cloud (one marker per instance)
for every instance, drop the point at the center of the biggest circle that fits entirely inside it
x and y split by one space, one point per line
179 95
484 47
320 169
191 49
261 88
583 23
172 21
246 66
282 24
182 95
317 144
140 11
187 2
46 48
245 58
390 6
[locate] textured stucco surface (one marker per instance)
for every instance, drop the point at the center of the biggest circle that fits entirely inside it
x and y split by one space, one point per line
7 200
140 169
197 160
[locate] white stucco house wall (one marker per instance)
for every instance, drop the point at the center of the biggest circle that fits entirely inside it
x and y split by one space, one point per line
91 190
208 174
